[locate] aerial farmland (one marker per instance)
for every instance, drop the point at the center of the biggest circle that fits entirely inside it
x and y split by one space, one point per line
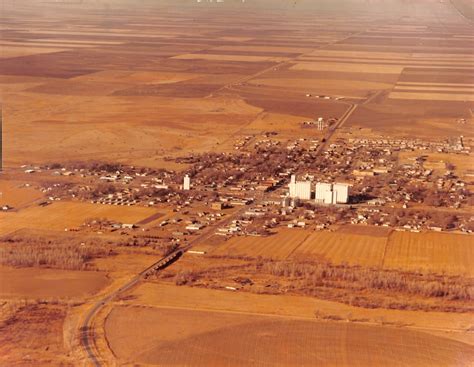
237 183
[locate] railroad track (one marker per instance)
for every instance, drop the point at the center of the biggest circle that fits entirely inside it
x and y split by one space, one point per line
87 333
87 330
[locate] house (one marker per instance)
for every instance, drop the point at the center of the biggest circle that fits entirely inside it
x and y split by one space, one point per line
194 227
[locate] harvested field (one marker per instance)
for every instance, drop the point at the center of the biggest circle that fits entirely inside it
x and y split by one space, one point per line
321 86
278 246
413 117
98 80
211 338
339 248
240 58
117 80
183 90
432 252
434 88
426 96
439 85
79 88
334 247
440 77
365 230
402 41
343 54
365 246
48 283
338 78
139 77
49 65
63 215
409 63
34 44
14 51
276 49
348 67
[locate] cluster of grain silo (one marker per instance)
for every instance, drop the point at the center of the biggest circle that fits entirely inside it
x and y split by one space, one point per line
325 193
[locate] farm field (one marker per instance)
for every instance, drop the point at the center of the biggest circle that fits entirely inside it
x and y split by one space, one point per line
161 295
49 283
339 248
371 247
126 93
143 83
432 252
62 215
212 338
279 246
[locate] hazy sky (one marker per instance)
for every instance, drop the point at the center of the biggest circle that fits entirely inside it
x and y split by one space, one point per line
436 9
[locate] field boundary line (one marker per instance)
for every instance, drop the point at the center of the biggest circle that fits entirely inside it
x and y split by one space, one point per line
382 263
470 21
104 321
425 329
300 244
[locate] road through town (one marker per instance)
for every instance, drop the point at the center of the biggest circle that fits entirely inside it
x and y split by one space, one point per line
87 332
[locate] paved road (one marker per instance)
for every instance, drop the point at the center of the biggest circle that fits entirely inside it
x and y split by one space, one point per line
334 128
87 330
87 335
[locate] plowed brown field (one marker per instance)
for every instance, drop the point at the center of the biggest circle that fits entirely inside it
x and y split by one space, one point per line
170 337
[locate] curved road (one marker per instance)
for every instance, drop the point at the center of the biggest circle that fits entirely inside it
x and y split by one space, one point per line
86 328
87 331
